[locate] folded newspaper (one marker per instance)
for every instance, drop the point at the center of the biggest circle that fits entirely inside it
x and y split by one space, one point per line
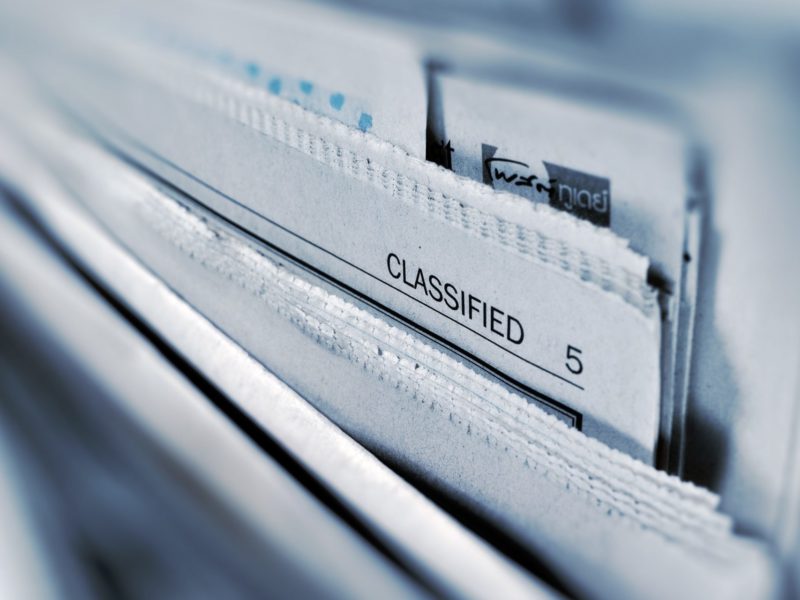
491 288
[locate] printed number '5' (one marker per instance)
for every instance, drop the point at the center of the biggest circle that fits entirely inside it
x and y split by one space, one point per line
574 363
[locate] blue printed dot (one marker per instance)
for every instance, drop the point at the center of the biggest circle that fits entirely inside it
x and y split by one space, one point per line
306 87
365 122
337 101
252 69
274 85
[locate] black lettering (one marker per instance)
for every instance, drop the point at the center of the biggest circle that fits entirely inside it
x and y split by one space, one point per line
472 308
517 339
495 320
492 318
501 176
435 284
405 278
389 265
540 187
451 292
526 181
574 363
420 281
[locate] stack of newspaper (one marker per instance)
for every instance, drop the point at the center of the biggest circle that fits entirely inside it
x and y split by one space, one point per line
354 313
